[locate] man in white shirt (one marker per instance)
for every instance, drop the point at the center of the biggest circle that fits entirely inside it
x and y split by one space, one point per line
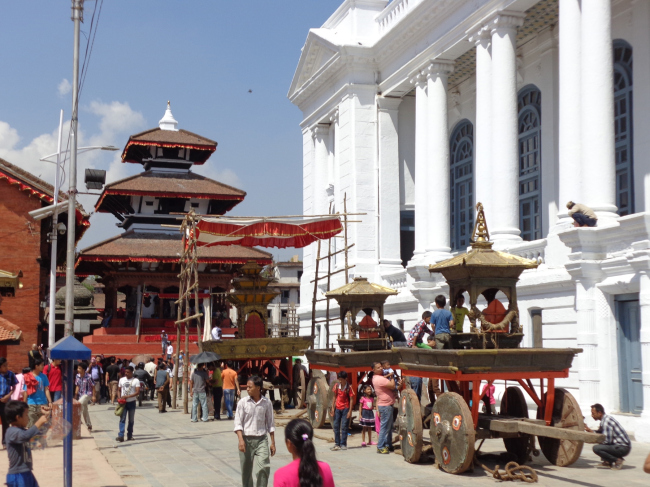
128 389
151 370
170 351
253 420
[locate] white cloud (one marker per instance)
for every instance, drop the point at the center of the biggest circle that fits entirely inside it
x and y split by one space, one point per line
64 87
226 176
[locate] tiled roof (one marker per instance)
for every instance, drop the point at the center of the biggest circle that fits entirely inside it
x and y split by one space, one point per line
9 331
168 138
158 183
148 247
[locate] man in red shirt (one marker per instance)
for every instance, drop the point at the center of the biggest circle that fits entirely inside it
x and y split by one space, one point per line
54 375
341 411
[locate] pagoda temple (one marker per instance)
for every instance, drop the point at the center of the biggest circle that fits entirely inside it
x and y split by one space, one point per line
142 262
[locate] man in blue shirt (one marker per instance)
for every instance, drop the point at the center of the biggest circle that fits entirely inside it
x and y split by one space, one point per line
443 322
8 383
41 393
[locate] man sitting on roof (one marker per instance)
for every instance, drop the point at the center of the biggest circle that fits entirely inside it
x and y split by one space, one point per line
368 322
495 312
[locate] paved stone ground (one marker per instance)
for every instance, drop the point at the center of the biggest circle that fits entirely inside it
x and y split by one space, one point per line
170 451
89 466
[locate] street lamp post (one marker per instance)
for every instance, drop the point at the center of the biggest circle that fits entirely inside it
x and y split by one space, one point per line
54 210
77 17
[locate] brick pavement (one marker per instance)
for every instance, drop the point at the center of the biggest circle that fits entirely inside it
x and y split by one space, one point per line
171 451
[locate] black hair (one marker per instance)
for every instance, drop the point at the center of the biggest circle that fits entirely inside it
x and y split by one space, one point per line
15 409
128 367
426 314
374 364
257 381
26 370
598 407
342 374
38 361
229 363
440 301
300 433
83 364
2 361
385 362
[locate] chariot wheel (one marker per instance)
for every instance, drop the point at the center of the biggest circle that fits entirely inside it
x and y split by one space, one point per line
330 403
409 421
317 401
566 415
299 389
513 404
452 433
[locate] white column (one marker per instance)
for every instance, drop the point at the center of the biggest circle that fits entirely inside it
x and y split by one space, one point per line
321 135
570 142
504 219
587 339
389 203
598 169
643 434
438 203
207 317
483 188
422 187
641 105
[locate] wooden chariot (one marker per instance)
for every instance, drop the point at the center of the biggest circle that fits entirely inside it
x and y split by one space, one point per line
256 349
488 353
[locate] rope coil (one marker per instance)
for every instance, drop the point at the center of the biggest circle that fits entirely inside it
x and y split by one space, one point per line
513 471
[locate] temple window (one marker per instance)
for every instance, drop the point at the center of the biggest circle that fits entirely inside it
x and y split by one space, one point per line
461 152
623 127
530 163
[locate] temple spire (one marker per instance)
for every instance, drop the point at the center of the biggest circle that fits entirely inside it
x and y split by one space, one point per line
168 122
481 235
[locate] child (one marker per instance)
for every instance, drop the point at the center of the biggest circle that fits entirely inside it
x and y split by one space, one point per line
367 421
341 411
487 396
18 391
18 436
84 387
459 313
389 373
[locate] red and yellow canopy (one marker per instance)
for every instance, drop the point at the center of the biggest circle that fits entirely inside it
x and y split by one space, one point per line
280 232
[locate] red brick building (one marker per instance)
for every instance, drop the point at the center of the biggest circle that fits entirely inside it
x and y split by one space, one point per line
24 247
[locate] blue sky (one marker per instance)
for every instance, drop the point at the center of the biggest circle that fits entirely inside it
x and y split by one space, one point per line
203 55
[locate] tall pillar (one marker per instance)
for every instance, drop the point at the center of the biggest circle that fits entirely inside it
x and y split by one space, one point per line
587 339
389 202
643 434
598 168
422 187
438 201
321 135
483 188
570 141
505 135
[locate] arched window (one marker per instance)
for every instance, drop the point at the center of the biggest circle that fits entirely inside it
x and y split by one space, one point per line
530 163
623 127
462 184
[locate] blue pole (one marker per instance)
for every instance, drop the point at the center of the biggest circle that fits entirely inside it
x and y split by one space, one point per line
68 391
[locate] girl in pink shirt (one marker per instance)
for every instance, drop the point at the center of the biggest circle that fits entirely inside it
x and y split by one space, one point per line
18 391
305 470
367 421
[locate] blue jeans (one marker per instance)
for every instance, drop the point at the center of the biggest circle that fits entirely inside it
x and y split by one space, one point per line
203 398
582 220
416 385
229 396
386 430
129 408
341 423
56 395
25 479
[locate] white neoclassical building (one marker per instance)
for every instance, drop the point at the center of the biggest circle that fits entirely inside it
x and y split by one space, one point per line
417 109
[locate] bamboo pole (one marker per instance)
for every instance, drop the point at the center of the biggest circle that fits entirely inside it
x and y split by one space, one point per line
313 304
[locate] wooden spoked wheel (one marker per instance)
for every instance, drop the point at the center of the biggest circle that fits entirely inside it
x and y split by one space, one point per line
330 403
452 433
513 404
317 401
566 415
299 389
409 420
